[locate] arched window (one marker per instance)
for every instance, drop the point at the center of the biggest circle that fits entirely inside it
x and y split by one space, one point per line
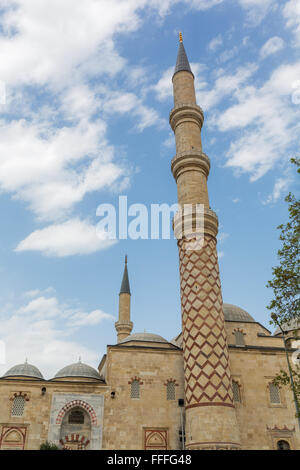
239 338
18 406
135 389
236 392
76 416
171 391
283 445
274 394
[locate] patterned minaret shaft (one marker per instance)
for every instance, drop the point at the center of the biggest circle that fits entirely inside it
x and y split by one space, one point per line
210 414
124 325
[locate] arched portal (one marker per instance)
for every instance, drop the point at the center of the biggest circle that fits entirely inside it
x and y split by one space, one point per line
283 445
75 430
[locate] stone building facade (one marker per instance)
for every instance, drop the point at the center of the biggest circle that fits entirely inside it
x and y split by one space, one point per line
208 388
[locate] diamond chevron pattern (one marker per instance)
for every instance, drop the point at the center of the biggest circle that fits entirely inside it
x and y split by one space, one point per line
206 360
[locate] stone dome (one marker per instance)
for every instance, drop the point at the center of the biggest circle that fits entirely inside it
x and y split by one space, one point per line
78 369
231 313
235 313
148 337
24 370
288 326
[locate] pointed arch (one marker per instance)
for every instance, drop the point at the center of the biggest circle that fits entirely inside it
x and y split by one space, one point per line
80 404
156 439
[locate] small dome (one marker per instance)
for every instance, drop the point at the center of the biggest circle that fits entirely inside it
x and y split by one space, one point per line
288 326
78 369
235 313
24 370
148 337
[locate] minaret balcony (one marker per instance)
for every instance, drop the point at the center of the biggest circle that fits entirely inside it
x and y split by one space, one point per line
186 112
188 161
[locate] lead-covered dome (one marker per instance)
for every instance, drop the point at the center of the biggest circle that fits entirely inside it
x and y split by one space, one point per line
78 369
235 313
288 326
148 337
24 370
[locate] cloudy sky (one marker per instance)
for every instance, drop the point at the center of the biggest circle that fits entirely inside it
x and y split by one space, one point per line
85 93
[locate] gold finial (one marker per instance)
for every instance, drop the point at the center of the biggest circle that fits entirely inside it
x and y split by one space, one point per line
180 36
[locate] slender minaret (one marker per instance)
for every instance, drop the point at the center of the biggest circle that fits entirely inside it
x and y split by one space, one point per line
210 414
124 325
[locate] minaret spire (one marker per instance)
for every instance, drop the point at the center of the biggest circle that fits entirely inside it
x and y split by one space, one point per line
207 379
182 62
125 287
124 325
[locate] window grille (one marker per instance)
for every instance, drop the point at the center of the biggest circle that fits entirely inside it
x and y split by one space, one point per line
76 417
274 394
236 392
171 391
135 389
239 338
18 406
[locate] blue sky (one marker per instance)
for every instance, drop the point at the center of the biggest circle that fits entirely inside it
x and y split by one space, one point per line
85 120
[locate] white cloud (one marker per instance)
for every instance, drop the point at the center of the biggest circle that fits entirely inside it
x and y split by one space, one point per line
222 236
215 43
169 142
45 49
45 331
38 292
272 46
123 103
53 145
203 4
236 200
257 9
41 308
269 120
164 6
66 239
225 85
228 54
39 165
291 13
163 87
92 318
281 185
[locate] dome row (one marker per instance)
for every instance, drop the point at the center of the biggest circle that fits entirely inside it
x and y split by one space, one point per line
73 370
231 313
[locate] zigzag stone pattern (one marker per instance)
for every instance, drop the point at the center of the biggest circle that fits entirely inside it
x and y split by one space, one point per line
206 358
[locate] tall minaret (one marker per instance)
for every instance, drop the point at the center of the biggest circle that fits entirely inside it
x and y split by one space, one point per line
124 325
210 414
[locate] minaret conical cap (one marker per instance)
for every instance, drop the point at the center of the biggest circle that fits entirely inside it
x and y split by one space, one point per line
182 62
125 287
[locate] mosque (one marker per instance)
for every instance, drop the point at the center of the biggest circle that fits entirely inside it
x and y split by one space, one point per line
210 387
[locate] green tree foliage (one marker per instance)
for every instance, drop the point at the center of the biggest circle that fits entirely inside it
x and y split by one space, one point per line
48 446
285 306
286 276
